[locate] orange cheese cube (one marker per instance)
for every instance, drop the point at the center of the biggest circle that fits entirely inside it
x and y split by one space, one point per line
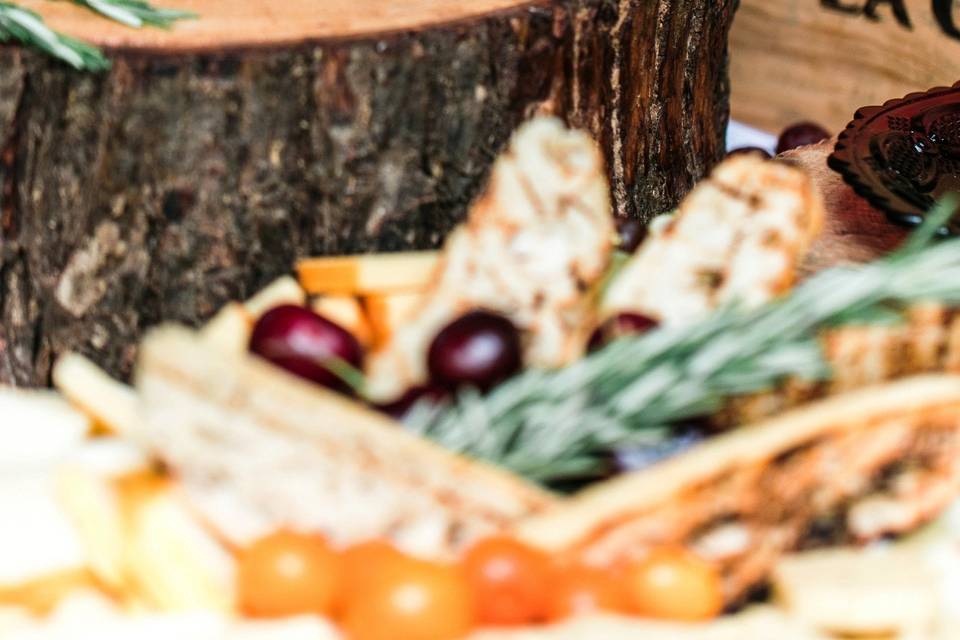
368 274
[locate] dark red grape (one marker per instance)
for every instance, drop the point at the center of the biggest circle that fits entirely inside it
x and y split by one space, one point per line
800 135
620 325
630 233
302 342
399 408
758 151
479 349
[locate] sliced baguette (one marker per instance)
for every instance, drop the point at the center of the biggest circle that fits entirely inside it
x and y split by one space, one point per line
739 236
745 497
531 249
258 449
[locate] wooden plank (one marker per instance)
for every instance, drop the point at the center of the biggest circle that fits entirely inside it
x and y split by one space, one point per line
823 59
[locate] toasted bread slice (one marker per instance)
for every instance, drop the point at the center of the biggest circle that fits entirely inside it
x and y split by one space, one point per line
257 449
532 247
739 236
743 498
928 341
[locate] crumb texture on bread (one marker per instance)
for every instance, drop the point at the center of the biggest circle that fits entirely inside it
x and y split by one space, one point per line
533 245
738 237
257 449
852 468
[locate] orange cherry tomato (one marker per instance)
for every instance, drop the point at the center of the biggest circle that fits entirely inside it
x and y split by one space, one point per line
287 574
509 581
577 590
410 599
360 564
674 584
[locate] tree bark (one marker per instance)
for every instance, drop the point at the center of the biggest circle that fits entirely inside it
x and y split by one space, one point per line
202 165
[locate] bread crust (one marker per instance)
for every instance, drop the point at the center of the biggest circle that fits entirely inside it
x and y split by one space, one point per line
257 449
869 463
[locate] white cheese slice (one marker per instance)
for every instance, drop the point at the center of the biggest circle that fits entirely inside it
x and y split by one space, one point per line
37 428
42 540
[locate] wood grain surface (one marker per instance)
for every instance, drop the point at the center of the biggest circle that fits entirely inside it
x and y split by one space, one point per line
823 59
244 23
213 156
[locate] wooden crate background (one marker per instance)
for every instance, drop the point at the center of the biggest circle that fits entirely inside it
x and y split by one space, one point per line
822 59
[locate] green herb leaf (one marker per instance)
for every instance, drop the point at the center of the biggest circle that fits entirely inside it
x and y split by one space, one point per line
135 13
28 28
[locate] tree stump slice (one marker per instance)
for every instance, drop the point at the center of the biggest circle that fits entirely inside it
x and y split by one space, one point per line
214 155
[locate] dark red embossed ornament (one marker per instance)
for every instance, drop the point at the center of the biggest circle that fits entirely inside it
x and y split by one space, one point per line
904 155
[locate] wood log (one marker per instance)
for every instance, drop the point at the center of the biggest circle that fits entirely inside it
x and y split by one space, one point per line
213 155
822 60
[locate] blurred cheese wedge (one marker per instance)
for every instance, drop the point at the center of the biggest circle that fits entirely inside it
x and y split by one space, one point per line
37 428
41 595
284 290
169 557
365 274
42 556
91 504
111 404
389 311
347 312
859 592
229 330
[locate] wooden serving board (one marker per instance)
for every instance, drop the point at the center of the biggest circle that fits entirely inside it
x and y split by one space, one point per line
823 59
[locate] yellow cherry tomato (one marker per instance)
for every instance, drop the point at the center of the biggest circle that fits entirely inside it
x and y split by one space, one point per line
673 583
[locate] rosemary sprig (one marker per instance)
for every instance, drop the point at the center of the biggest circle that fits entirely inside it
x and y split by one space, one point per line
136 13
550 425
28 28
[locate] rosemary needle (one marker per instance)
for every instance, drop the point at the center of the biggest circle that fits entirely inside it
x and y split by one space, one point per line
28 28
548 425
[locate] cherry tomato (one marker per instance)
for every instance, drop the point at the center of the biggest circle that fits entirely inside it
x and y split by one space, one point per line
509 581
410 599
674 584
360 564
577 589
287 574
